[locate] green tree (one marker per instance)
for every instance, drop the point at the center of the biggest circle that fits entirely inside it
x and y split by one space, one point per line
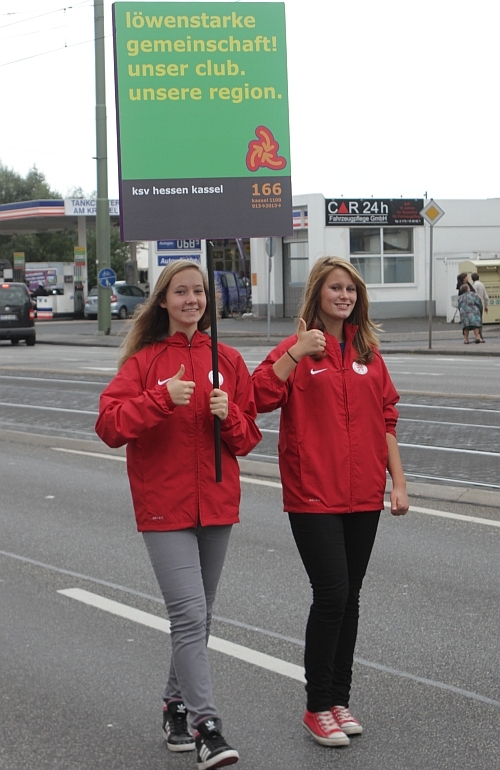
40 247
32 187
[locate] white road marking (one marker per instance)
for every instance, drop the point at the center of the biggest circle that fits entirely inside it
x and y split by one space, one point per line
360 661
448 515
438 422
261 482
100 368
246 654
450 449
90 454
466 482
440 407
48 408
56 380
420 374
413 508
277 485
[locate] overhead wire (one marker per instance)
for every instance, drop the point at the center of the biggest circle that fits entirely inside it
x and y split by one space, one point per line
35 32
53 50
77 6
39 16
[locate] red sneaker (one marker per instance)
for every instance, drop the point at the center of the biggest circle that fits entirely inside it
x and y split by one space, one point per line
345 720
324 729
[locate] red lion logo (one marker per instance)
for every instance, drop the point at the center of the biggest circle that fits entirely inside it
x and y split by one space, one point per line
263 153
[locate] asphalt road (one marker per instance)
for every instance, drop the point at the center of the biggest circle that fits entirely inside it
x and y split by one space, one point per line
448 429
81 686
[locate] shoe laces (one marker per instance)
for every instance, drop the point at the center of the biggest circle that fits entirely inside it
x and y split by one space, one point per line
214 740
179 723
326 721
342 713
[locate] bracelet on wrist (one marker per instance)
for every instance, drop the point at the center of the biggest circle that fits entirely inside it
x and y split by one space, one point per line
293 359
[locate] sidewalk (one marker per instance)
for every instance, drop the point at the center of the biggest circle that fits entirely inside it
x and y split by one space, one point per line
400 335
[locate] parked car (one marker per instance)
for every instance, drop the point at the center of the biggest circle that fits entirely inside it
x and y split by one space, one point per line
17 316
233 293
124 299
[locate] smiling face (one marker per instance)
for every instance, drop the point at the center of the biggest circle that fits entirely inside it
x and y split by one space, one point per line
185 301
337 298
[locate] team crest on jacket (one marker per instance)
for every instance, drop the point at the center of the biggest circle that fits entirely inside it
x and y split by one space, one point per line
359 368
211 378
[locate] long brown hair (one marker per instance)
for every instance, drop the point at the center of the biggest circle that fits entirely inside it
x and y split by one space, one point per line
366 338
150 321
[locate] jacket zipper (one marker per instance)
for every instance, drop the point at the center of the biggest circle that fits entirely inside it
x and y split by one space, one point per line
347 419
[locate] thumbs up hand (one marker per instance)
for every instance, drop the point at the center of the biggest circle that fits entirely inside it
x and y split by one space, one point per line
309 343
180 390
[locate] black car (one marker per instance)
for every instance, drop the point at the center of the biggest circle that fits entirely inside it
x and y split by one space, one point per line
17 317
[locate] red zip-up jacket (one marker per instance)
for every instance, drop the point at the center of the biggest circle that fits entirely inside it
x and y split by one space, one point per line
335 414
170 449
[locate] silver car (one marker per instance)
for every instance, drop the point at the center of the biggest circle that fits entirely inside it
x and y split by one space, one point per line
124 299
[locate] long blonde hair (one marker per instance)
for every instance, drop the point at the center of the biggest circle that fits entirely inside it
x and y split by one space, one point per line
366 338
150 321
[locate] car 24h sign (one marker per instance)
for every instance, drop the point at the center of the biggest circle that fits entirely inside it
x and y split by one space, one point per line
348 212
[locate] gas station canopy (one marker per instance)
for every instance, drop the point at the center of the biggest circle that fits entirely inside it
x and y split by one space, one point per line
45 216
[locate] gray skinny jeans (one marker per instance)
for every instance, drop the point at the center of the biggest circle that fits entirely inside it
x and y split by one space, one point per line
188 565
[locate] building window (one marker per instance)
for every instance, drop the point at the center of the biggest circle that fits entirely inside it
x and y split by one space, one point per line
298 255
383 254
227 256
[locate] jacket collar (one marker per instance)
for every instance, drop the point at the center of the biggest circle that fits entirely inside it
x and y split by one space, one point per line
179 339
349 332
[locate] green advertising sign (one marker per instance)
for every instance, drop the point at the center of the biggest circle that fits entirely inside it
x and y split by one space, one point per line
202 107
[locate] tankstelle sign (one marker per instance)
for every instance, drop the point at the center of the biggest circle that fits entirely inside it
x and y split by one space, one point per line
202 106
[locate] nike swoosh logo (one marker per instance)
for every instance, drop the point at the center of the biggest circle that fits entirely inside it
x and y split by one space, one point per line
163 382
317 371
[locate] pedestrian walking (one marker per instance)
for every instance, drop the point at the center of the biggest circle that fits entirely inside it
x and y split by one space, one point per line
481 292
470 308
162 404
461 279
337 438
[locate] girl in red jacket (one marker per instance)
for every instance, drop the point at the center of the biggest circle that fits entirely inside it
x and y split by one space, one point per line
162 404
337 438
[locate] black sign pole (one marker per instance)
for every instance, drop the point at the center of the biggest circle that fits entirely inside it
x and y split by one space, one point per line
215 355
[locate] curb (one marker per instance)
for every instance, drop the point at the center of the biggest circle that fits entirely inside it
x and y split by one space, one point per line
261 470
262 341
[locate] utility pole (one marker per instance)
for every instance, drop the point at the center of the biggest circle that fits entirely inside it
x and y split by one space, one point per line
102 202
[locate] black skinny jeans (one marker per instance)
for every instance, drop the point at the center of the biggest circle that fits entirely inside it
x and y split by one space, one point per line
335 550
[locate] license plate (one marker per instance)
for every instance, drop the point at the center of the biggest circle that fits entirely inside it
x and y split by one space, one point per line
8 317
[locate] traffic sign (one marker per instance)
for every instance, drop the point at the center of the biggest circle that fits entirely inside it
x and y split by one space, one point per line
106 277
432 213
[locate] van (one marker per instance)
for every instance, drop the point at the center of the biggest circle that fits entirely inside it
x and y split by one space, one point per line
234 293
17 316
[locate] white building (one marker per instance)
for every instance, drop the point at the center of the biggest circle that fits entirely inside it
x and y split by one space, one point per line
391 253
387 240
